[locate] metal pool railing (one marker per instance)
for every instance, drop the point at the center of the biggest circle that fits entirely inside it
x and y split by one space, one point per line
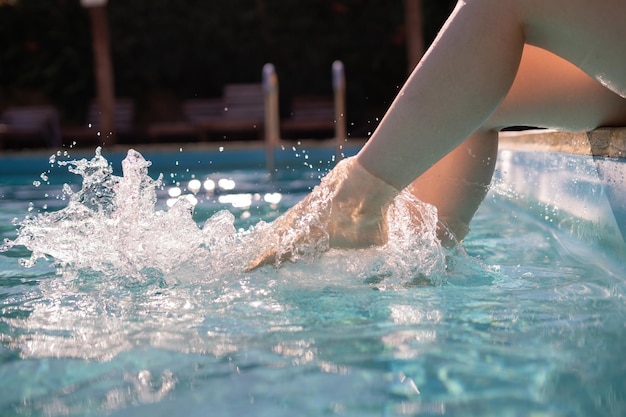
272 113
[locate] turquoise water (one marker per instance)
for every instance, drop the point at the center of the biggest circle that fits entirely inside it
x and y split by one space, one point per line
138 318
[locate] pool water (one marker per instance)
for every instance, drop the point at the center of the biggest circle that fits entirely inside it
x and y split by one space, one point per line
145 309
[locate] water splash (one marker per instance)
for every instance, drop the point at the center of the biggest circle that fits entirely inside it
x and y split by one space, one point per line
111 226
129 274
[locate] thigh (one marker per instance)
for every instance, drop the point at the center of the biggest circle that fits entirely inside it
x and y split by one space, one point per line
549 91
590 34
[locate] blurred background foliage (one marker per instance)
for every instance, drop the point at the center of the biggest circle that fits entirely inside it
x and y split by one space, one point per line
169 50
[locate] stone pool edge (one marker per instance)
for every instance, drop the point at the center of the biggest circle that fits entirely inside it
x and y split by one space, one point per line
602 142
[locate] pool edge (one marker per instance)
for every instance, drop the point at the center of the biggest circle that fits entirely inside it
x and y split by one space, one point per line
602 142
583 174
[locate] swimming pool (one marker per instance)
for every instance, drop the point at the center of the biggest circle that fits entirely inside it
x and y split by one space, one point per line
152 314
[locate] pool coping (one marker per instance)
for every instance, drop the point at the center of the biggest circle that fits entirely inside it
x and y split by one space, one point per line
602 142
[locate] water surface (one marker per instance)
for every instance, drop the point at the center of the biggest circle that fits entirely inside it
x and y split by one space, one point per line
526 322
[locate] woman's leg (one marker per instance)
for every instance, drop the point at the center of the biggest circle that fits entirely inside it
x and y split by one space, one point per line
453 93
461 80
470 68
458 183
547 92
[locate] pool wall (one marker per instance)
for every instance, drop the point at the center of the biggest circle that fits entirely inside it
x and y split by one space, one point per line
576 181
213 156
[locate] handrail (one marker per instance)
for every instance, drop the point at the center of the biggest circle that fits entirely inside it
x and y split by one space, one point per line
272 116
339 88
